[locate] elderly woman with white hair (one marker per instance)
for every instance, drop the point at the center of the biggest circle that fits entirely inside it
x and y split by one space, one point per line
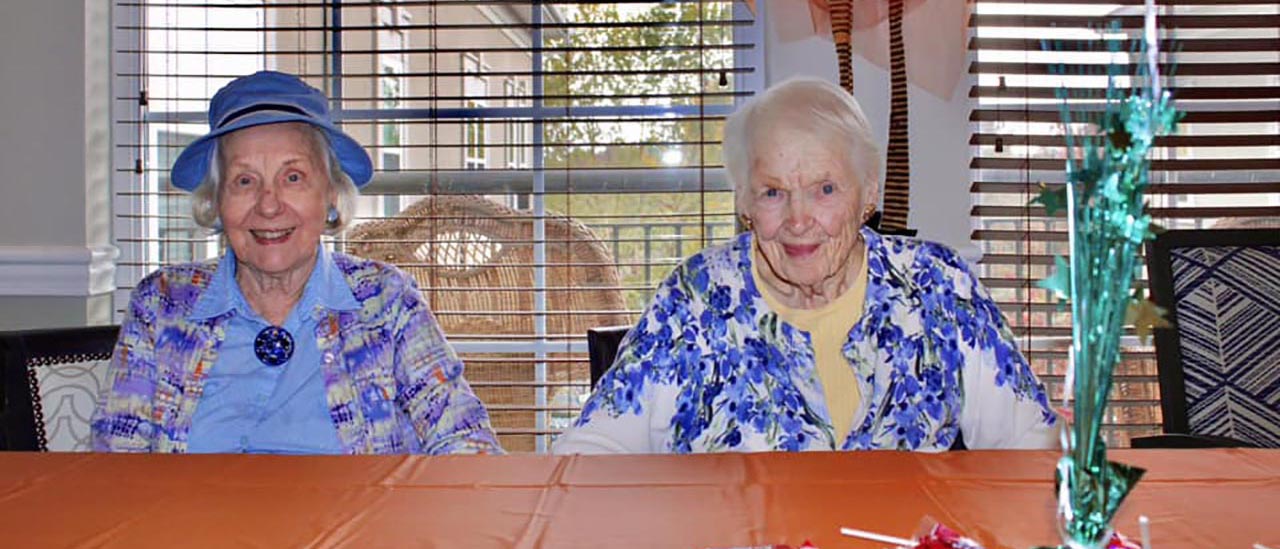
281 346
811 331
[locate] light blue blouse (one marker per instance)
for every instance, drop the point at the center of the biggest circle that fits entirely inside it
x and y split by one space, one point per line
250 407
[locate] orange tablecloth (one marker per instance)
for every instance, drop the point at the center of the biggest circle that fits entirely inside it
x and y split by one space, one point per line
1195 499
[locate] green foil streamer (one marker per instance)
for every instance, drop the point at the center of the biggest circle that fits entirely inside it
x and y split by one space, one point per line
1107 174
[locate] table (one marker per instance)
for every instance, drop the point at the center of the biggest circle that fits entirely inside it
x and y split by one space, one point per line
1222 498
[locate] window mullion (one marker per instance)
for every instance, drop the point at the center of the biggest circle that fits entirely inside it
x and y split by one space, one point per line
538 202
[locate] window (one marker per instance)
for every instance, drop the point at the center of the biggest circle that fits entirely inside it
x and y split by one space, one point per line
510 127
517 258
390 161
475 89
390 94
181 240
516 138
476 150
392 41
1220 168
522 151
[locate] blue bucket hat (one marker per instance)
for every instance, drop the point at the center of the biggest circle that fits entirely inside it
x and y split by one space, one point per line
268 97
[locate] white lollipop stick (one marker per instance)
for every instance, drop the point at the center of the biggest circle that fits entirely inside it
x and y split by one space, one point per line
900 542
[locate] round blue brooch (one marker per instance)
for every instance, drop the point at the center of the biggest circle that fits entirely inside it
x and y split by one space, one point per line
273 346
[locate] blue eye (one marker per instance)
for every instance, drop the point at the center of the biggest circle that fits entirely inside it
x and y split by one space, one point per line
244 181
294 178
771 193
828 188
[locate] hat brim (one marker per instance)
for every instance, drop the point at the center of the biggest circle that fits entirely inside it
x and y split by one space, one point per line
192 165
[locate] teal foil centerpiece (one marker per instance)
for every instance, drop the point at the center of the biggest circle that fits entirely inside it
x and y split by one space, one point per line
1107 175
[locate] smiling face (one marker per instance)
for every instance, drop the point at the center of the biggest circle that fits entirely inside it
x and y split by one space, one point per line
805 208
273 196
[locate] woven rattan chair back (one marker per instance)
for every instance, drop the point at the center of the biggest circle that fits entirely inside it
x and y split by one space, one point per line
473 259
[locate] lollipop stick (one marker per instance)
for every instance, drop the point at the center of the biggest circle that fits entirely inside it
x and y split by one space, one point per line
853 533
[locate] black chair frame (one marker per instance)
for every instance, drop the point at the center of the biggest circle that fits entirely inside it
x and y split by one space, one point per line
21 353
602 349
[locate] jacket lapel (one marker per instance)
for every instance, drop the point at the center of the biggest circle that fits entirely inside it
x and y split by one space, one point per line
180 388
880 339
341 392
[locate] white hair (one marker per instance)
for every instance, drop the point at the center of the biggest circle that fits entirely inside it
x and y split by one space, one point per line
808 104
204 200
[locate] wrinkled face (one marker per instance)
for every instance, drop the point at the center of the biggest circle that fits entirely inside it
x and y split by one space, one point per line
273 197
805 208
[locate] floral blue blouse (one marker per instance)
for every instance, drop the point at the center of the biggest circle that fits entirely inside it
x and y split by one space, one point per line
710 368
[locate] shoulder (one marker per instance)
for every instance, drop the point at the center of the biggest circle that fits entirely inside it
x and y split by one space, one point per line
923 262
178 286
375 282
182 275
907 251
721 264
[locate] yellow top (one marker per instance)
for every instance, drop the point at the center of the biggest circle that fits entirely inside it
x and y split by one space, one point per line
828 328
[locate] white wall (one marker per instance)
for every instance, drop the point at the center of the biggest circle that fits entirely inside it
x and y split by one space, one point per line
938 129
56 262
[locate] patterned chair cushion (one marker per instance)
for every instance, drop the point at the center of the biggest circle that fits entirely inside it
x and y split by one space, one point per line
52 382
68 394
1226 307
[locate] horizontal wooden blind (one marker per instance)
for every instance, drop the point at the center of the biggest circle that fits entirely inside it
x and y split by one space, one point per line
540 165
1221 61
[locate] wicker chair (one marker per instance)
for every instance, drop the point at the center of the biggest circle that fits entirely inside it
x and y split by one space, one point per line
473 259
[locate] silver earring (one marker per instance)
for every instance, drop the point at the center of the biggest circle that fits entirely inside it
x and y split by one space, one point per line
332 217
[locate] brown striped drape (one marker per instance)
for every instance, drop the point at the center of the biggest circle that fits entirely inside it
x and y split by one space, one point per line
897 180
897 187
842 34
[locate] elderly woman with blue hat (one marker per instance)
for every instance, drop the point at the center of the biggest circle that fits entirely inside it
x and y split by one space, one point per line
281 346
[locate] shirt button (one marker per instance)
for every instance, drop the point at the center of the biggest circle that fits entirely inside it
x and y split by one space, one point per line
328 358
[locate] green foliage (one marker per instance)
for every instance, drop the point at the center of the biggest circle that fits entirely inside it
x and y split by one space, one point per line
653 59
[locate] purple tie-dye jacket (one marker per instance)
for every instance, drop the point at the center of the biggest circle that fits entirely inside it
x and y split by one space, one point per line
393 384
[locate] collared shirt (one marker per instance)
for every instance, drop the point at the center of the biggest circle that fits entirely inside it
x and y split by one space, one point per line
393 383
250 407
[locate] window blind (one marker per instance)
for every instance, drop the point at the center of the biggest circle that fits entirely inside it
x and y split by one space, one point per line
541 166
1221 61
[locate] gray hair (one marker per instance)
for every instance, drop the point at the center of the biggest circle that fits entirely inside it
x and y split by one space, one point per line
204 200
810 104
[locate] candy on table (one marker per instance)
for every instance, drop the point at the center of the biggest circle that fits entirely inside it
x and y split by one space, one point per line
933 535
